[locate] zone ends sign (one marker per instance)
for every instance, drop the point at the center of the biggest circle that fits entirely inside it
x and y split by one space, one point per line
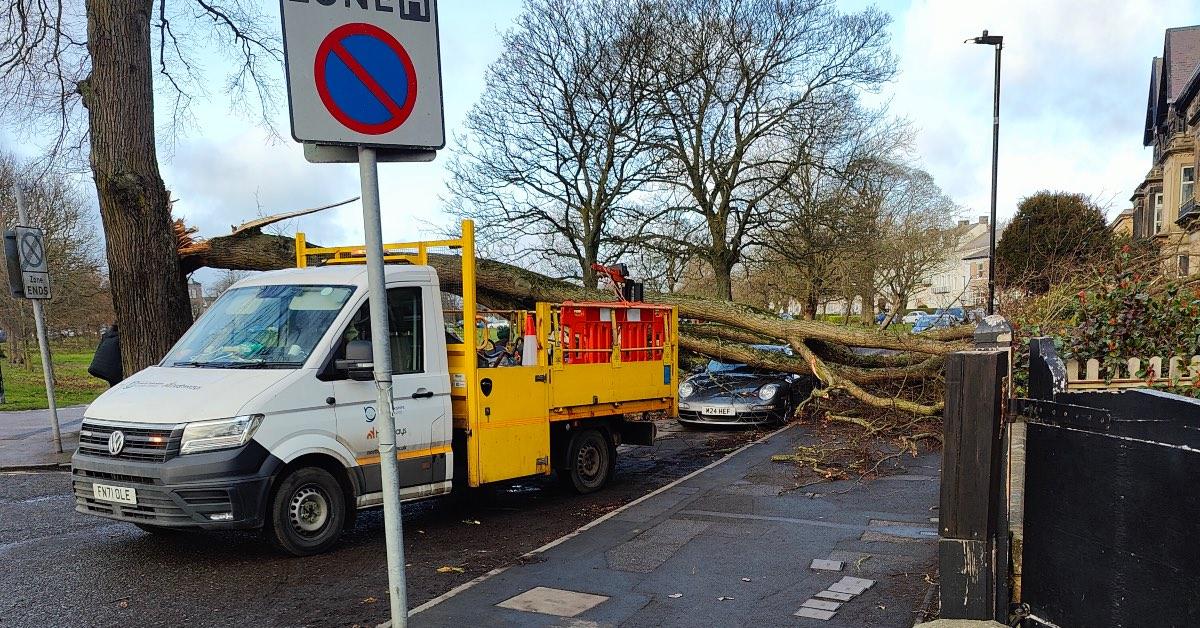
364 72
28 268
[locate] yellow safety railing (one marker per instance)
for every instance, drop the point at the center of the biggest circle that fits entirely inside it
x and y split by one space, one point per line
410 252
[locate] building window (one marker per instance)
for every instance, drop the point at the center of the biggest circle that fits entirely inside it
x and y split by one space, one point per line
1183 266
1188 187
1158 212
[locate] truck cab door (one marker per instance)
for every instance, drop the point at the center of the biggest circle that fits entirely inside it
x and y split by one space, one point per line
420 393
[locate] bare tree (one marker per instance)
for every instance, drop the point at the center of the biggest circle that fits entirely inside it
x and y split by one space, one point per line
555 152
81 302
225 280
738 82
916 235
85 76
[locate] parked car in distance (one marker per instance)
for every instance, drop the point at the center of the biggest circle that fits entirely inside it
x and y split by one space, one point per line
912 317
929 321
738 394
955 314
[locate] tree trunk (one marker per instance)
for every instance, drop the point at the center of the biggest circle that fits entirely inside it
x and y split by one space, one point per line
722 279
811 303
868 307
148 290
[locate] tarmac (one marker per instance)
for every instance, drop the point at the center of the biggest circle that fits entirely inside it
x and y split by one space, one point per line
733 544
26 438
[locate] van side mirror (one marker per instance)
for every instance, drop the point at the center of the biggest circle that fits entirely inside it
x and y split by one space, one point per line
358 363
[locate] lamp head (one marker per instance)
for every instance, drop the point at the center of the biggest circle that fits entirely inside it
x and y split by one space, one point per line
988 40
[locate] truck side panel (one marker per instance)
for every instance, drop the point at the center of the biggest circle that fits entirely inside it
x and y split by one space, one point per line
513 433
600 361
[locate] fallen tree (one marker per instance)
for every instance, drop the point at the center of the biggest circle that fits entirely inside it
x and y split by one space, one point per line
894 381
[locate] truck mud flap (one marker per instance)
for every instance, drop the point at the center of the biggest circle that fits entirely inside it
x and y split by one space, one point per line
637 432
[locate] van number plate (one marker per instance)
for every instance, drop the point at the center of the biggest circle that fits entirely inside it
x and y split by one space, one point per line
719 411
118 494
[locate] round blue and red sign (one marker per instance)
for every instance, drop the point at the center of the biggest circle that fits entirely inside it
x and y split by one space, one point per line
365 78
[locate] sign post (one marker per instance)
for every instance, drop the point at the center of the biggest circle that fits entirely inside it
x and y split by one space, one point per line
35 278
364 85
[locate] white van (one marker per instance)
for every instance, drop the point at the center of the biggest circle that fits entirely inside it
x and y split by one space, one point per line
263 414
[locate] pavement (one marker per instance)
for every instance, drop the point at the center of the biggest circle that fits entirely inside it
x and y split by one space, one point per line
26 438
732 544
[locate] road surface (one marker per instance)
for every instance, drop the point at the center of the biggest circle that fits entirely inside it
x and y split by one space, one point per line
62 568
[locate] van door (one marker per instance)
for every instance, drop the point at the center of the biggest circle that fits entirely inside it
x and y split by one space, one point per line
420 395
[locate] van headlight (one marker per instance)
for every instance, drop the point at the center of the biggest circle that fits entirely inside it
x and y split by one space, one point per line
767 392
686 390
219 434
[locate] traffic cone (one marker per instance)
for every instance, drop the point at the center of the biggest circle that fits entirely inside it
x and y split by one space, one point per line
530 344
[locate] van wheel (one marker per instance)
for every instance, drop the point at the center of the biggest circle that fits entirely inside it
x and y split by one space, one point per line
589 463
308 512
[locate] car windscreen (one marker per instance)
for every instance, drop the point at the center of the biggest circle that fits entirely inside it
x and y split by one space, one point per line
274 326
716 366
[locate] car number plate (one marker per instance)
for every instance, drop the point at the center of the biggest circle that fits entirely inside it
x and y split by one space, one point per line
118 494
719 411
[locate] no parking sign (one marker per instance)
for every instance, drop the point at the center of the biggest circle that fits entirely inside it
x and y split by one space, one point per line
364 72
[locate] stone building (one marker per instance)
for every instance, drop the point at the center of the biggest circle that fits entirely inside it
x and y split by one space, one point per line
1164 205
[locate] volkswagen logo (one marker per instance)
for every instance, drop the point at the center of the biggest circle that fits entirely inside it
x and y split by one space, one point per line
116 442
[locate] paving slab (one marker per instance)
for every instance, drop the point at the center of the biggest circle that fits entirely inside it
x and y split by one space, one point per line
26 438
713 550
814 613
557 602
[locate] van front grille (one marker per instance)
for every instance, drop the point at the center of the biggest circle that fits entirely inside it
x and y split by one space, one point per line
150 443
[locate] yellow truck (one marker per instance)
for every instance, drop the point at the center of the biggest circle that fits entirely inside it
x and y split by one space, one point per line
263 414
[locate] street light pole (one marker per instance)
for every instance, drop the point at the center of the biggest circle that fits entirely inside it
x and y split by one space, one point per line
998 42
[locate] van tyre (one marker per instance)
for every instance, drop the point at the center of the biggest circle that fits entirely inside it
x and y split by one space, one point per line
589 462
308 512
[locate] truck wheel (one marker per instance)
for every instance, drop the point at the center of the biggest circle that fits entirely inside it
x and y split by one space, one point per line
589 462
308 512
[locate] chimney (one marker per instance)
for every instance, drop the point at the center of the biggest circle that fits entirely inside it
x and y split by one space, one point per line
983 220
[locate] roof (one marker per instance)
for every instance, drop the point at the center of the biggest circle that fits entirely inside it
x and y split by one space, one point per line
1181 56
1125 217
1190 89
1152 101
977 254
1172 75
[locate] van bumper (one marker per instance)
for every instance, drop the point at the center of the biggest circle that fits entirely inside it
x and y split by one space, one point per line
183 492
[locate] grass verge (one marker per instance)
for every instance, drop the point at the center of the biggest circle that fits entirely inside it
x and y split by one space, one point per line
24 388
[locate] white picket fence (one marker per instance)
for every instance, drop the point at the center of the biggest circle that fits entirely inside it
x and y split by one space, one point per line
1178 371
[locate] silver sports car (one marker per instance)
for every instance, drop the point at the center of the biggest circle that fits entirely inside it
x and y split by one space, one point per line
737 394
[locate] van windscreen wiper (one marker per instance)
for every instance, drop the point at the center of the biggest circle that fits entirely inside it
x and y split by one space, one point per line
262 364
249 364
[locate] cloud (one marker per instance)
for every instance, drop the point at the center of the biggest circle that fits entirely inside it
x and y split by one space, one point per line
1073 93
218 184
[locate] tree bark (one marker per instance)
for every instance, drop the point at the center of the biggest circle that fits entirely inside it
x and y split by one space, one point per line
148 290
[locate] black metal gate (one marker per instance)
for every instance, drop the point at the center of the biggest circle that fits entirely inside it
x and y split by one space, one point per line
1112 504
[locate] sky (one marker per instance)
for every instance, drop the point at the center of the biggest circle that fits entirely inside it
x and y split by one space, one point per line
1075 79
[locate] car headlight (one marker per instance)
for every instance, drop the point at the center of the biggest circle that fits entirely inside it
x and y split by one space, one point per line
686 390
767 392
219 434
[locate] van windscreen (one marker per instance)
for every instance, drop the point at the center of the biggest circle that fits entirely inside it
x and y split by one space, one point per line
260 327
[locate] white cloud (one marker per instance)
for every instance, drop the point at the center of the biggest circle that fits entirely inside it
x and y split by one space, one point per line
1072 100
